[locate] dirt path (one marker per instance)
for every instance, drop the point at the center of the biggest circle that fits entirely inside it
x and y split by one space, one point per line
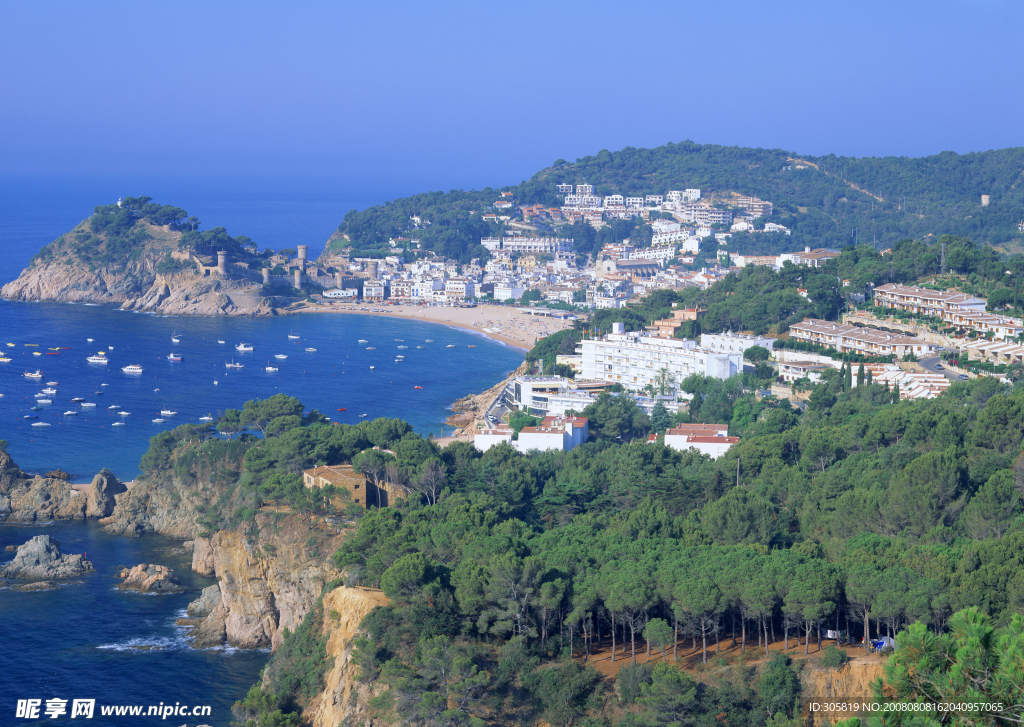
847 182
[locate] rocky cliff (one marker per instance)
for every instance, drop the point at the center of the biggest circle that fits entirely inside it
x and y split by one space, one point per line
67 274
269 575
344 698
40 559
852 683
28 499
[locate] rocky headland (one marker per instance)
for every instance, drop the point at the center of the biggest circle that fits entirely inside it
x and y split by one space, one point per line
82 266
29 499
40 559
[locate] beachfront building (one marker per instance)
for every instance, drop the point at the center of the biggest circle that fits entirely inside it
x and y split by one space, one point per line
853 339
342 294
634 359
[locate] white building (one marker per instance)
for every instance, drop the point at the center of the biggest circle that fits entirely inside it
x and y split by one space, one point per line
614 200
654 200
508 291
730 342
634 359
342 294
459 289
669 238
662 253
868 341
560 433
665 226
712 440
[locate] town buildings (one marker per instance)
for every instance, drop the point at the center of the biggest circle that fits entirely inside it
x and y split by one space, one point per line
957 309
559 433
730 342
635 360
712 440
854 339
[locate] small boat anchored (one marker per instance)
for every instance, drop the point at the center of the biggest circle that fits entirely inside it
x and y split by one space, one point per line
174 356
310 350
233 365
270 368
167 413
158 420
243 347
132 369
40 424
37 375
174 338
293 335
280 355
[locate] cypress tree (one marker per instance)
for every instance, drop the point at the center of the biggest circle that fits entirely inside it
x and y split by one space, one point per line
895 393
868 379
860 375
849 378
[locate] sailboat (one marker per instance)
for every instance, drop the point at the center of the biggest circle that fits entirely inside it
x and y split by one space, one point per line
293 335
174 337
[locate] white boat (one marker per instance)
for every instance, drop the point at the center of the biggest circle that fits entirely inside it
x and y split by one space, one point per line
173 356
89 340
206 419
49 391
403 347
113 406
292 335
117 424
271 368
371 368
104 384
280 355
111 348
44 401
98 359
215 383
37 353
39 395
36 375
219 341
310 350
233 365
174 337
243 347
124 413
421 347
132 369
158 421
79 398
450 345
429 340
371 348
52 383
400 340
399 356
88 403
40 424
4 359
71 413
363 340
167 412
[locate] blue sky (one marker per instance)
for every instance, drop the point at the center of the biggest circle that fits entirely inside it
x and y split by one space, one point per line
468 94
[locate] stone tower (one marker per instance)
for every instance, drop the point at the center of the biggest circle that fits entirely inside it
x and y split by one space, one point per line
371 268
303 250
298 278
266 276
222 263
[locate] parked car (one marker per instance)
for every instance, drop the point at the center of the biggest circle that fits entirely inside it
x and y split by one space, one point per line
939 367
962 377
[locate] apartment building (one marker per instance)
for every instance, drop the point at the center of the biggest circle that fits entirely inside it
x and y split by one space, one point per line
634 359
506 290
654 200
867 341
375 290
670 237
662 253
559 433
755 207
956 309
459 289
704 215
730 342
537 245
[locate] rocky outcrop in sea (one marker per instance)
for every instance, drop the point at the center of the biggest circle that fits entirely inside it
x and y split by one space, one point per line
150 579
40 559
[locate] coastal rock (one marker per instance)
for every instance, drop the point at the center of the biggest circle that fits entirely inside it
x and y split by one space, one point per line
59 275
101 498
344 699
150 579
206 603
58 474
163 506
207 632
267 583
40 559
41 500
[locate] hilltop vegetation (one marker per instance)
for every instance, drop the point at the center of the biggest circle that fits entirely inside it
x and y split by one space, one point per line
832 201
858 511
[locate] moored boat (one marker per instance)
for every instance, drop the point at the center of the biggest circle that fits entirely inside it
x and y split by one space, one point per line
88 403
117 424
132 369
174 356
158 420
40 424
233 365
243 347
167 412
280 355
71 413
37 375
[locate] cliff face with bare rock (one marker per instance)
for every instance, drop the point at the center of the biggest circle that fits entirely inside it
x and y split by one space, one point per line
268 578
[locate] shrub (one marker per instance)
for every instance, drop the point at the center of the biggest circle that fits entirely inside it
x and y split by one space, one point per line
834 658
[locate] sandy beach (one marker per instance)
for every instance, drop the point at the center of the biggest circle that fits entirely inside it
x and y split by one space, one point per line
508 325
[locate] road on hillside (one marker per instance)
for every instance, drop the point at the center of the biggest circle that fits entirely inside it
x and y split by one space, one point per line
929 365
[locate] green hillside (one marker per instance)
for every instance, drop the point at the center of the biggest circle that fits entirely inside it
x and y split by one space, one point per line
832 201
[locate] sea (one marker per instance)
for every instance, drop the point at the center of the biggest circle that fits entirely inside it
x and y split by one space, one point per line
87 640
